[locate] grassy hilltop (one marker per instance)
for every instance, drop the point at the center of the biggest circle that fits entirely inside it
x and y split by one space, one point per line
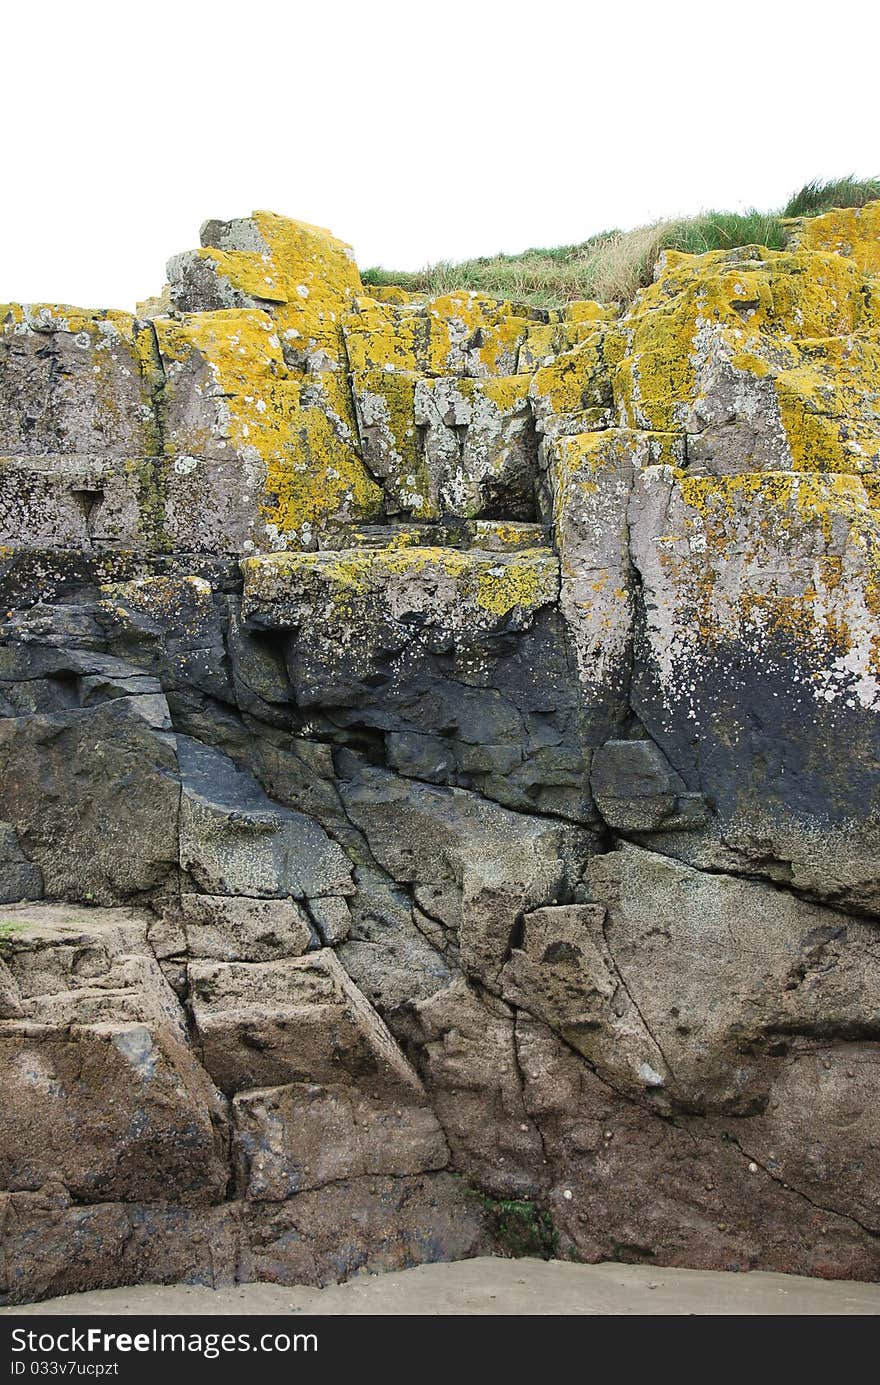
615 264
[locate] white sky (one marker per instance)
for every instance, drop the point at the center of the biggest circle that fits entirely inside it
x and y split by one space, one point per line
415 132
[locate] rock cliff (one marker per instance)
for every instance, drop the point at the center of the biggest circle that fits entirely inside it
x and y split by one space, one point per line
439 776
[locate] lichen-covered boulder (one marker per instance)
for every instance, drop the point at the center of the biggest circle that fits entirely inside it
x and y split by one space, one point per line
456 334
253 464
74 380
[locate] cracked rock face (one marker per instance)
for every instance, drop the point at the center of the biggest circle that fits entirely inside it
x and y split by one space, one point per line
439 770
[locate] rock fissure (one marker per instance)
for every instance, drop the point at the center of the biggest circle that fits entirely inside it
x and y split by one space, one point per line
799 1192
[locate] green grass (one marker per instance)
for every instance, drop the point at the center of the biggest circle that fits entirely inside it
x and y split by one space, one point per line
8 931
614 265
816 197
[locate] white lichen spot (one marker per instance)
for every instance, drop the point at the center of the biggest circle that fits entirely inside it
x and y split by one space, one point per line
649 1075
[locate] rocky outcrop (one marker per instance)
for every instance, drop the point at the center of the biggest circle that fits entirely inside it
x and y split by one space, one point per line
439 788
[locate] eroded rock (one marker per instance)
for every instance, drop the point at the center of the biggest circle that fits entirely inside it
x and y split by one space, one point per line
438 770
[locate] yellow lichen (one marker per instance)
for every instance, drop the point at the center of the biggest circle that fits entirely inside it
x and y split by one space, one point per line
494 585
659 345
853 232
574 380
235 358
451 334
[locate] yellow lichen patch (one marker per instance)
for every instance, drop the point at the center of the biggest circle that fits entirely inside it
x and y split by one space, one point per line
234 357
500 588
506 392
828 394
504 534
389 438
492 586
587 310
785 498
64 317
819 295
585 452
314 478
404 538
249 274
305 276
659 347
573 381
239 347
379 337
390 293
453 334
309 254
850 231
545 340
822 442
299 262
490 332
541 343
329 391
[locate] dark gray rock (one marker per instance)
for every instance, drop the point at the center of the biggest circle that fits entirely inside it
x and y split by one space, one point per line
636 789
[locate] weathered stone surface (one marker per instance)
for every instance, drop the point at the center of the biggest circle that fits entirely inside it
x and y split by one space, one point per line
755 667
92 795
626 1186
268 1024
231 928
485 863
390 1223
111 1110
470 712
102 1094
637 790
449 446
19 878
64 501
460 664
290 1139
720 970
332 918
52 1246
235 841
466 1049
459 334
73 380
413 591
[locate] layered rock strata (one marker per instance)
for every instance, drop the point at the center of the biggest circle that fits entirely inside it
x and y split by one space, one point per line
439 777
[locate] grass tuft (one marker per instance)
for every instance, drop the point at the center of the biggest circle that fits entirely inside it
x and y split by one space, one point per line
614 265
818 197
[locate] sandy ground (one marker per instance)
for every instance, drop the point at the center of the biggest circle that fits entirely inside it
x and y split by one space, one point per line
490 1286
